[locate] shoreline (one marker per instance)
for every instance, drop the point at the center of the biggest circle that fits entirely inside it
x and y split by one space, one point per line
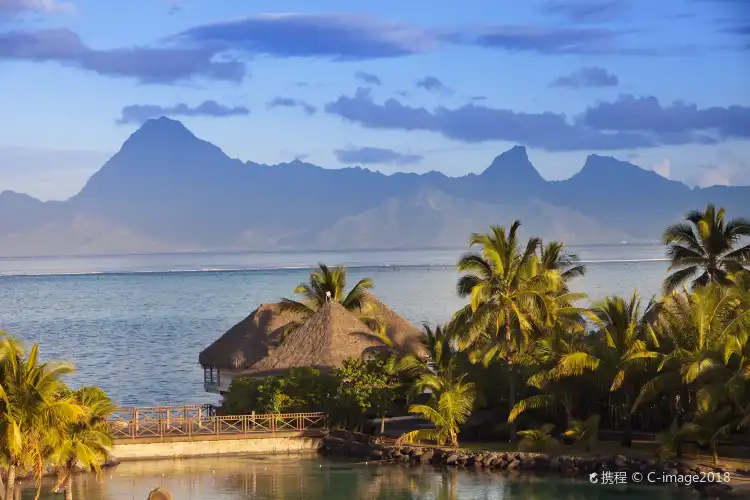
704 481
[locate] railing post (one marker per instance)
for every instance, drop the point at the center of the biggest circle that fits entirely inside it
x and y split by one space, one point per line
134 426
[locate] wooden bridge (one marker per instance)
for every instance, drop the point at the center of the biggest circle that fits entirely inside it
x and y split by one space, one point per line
201 423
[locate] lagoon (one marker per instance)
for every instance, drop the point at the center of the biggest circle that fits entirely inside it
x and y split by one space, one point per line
314 478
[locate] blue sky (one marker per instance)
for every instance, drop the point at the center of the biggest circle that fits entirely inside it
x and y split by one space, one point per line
391 85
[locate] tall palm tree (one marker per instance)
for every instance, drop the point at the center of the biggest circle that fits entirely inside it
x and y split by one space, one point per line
510 293
626 339
703 248
85 441
327 284
33 410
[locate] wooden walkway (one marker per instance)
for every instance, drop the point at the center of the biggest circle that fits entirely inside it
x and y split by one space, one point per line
200 423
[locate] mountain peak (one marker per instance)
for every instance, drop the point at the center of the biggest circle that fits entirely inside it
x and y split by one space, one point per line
515 164
164 128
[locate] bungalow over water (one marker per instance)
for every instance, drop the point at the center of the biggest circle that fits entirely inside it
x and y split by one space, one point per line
269 341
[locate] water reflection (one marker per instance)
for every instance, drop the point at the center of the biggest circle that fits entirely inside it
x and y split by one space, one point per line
310 478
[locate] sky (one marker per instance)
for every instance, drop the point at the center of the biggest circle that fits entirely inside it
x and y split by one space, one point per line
392 85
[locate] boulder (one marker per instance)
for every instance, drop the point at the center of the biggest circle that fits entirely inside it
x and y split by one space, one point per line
426 456
451 460
159 494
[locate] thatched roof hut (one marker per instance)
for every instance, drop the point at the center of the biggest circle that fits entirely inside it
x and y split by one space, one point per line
325 340
405 335
248 341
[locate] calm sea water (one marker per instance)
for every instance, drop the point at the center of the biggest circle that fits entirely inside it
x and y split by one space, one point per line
299 478
135 324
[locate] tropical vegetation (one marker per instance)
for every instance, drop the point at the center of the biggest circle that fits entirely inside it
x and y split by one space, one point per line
527 350
43 424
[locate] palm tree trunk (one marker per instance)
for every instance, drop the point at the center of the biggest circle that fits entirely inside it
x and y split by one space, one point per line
69 484
511 381
2 487
511 402
10 482
382 424
568 404
713 452
627 435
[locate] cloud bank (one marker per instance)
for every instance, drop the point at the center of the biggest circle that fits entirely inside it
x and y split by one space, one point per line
146 64
628 123
330 36
139 113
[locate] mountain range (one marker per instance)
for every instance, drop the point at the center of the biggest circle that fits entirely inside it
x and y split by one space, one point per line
166 190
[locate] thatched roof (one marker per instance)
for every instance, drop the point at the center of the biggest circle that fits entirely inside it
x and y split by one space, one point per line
248 341
325 340
405 335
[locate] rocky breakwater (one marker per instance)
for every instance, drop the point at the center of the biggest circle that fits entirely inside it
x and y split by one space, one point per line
619 471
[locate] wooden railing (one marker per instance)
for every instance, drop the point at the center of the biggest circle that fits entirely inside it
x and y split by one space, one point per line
201 420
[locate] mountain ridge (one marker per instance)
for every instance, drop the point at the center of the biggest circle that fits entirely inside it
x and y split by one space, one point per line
167 189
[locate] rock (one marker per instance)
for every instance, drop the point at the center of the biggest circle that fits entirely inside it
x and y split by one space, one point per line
480 457
621 462
451 460
426 456
515 464
159 494
528 464
462 459
554 464
487 460
717 490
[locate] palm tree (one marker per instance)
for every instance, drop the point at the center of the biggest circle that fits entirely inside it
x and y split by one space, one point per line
436 353
87 440
450 405
559 357
708 427
554 256
33 411
704 245
584 431
537 439
326 284
626 338
510 293
329 284
695 328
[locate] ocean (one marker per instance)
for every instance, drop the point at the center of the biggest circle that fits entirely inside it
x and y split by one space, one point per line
134 324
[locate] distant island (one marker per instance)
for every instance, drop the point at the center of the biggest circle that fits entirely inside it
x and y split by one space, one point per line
168 191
